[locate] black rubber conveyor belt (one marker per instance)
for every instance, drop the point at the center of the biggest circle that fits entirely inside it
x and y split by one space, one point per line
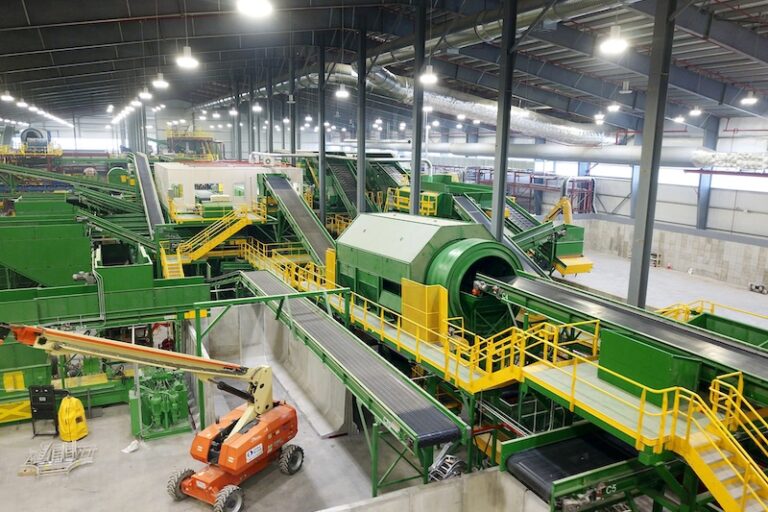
479 216
148 192
310 228
429 423
699 343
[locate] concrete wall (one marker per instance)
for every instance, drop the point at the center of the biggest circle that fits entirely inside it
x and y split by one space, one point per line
736 260
487 491
251 335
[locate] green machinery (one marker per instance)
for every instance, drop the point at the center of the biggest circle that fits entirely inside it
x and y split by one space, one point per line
377 251
161 409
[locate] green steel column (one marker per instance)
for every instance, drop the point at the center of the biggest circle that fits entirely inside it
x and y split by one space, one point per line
375 458
199 352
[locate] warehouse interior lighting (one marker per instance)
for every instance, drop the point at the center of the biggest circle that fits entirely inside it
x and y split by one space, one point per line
135 103
342 92
614 44
428 77
679 119
186 60
233 112
110 109
599 116
257 108
695 112
22 104
613 107
255 8
6 96
144 94
160 82
748 100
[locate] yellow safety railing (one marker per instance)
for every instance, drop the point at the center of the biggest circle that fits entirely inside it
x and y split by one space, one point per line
213 235
309 196
399 199
684 422
171 269
336 223
737 413
683 312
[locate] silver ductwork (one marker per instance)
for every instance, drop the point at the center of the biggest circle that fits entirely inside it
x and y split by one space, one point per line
629 155
451 103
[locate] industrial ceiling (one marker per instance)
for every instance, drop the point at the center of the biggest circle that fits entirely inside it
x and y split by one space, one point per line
79 57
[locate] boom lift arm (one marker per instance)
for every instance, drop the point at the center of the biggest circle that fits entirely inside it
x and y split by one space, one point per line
57 342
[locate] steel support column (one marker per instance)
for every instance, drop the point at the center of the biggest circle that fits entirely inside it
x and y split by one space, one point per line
361 98
635 181
506 70
292 113
270 110
420 33
653 133
321 171
705 182
249 116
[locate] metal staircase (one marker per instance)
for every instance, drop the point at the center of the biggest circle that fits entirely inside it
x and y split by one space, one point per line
213 235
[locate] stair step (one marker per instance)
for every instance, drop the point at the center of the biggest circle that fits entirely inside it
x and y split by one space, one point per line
736 490
724 472
752 505
711 456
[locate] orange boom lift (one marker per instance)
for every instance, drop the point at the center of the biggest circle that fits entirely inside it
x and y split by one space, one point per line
242 443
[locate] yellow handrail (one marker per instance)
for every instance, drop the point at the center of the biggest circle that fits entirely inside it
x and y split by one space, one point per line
683 312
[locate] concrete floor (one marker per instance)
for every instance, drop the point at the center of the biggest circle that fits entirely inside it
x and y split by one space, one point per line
336 471
665 287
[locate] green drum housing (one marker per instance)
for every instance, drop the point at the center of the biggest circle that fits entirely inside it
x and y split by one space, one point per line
377 251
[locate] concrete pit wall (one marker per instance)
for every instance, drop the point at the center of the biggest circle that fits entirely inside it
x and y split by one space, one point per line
251 335
487 491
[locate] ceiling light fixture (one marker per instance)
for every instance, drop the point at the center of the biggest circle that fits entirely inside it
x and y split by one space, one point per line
256 108
110 109
459 126
342 93
599 116
6 96
476 122
255 8
216 115
135 103
748 100
613 107
599 122
695 112
22 103
186 60
233 112
625 87
679 119
461 117
144 94
159 82
614 44
428 77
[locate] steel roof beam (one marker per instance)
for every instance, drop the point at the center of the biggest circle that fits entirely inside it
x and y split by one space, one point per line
583 83
552 99
707 26
679 78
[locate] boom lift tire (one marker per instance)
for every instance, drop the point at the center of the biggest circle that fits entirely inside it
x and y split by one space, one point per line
229 499
174 483
291 459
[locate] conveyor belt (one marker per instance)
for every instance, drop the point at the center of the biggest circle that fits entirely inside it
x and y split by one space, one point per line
347 182
315 237
414 410
148 193
471 210
539 468
699 343
517 218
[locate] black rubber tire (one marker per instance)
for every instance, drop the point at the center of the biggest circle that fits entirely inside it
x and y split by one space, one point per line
174 483
291 459
229 499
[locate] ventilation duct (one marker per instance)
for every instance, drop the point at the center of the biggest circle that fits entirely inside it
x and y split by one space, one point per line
400 89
